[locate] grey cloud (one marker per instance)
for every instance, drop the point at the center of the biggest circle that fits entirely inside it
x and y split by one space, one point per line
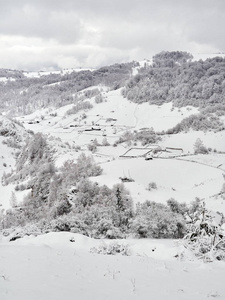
208 29
101 31
39 23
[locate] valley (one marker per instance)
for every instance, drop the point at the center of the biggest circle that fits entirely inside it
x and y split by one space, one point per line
112 182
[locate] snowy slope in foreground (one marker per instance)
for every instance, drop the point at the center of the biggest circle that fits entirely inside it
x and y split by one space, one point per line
50 267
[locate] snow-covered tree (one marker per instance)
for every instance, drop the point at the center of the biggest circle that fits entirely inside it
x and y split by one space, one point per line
105 142
156 220
199 148
13 200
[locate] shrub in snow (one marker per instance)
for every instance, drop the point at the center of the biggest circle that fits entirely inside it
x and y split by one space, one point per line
152 186
13 217
60 225
114 233
205 238
99 99
105 142
20 232
69 223
92 147
106 229
111 249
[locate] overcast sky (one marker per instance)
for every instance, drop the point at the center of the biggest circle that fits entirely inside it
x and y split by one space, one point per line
53 34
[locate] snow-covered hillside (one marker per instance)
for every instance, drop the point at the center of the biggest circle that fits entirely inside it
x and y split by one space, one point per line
12 137
183 179
115 111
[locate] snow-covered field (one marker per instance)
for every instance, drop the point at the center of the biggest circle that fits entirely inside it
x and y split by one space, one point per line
51 267
182 180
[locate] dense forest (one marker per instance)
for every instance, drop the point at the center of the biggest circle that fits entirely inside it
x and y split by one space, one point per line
173 76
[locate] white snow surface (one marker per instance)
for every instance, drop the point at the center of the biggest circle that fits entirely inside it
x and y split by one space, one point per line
178 179
51 267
